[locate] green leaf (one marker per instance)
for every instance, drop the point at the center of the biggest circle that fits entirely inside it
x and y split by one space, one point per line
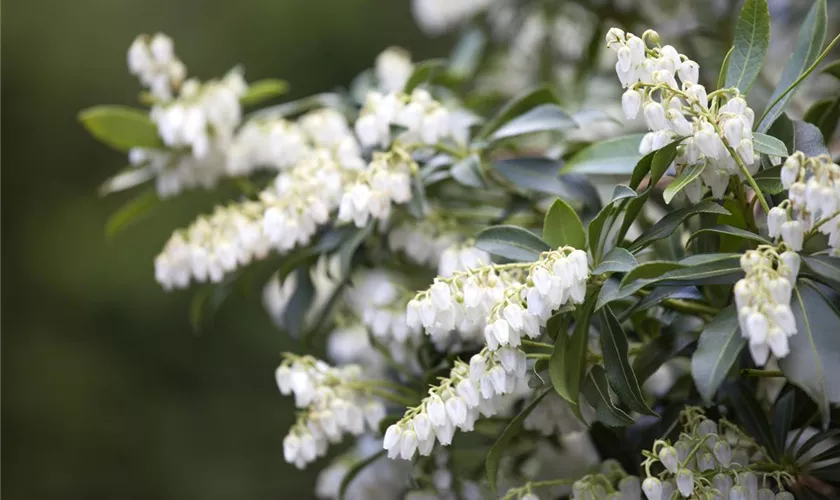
543 118
608 293
466 56
808 139
783 412
808 45
752 417
294 316
468 172
132 211
128 178
824 114
814 360
712 271
658 351
511 242
615 156
769 180
833 69
121 127
729 231
724 67
617 260
562 227
425 71
532 173
718 348
516 107
769 145
668 224
263 90
597 393
812 441
206 301
619 371
684 179
354 471
752 39
825 269
601 236
501 444
645 273
567 364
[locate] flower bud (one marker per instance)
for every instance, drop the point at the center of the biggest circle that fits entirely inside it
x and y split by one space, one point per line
652 488
766 494
723 483
723 453
792 261
530 496
784 495
775 218
631 101
655 116
705 461
737 493
685 482
669 459
793 234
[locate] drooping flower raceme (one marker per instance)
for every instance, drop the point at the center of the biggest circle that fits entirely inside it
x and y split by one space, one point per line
386 181
336 402
424 119
152 59
713 126
763 301
813 185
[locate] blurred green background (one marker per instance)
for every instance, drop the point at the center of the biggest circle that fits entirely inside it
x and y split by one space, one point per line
106 392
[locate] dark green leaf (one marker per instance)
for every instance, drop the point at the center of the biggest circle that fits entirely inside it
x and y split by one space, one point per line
263 90
511 242
825 269
668 224
643 275
619 371
468 172
617 260
833 69
562 227
688 174
597 393
613 156
658 351
814 440
718 348
783 412
532 173
601 234
425 71
730 231
724 67
808 139
354 471
712 271
752 417
808 46
660 294
121 127
824 114
568 360
814 360
206 301
608 293
132 211
501 444
769 181
516 107
294 316
543 118
752 39
769 145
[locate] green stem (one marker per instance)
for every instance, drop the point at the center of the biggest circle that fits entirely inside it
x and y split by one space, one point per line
394 398
744 169
741 200
538 356
803 76
533 343
694 450
387 384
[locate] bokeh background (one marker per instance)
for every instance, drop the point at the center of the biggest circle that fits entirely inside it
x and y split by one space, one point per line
107 392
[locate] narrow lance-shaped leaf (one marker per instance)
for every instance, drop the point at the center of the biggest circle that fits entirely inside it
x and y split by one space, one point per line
517 106
562 227
783 412
619 371
729 231
264 90
668 224
512 429
685 178
468 172
752 39
808 45
613 157
568 360
424 72
511 242
121 127
135 209
596 391
543 118
718 348
769 145
617 260
751 416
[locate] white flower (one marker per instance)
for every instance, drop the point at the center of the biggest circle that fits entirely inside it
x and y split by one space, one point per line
153 61
793 234
652 488
393 68
631 101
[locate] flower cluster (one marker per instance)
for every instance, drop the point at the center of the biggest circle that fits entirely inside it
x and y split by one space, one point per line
461 256
380 479
424 119
176 171
336 401
385 182
424 241
713 127
763 301
813 203
153 61
711 457
470 390
272 143
380 301
393 68
436 16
